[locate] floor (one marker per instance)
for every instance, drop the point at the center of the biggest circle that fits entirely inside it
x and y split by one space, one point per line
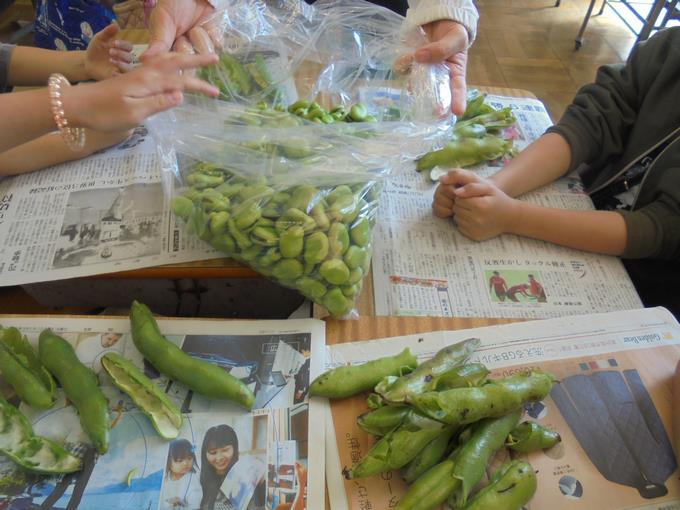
525 44
529 44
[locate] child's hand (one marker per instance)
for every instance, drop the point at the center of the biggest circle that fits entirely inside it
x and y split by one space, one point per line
125 101
444 198
481 209
106 57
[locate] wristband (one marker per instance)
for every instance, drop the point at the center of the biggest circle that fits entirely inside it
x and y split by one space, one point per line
73 137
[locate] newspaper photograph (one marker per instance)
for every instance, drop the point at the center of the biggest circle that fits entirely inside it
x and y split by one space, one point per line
422 266
100 214
223 458
611 406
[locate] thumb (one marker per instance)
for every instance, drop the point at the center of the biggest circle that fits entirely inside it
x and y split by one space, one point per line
473 189
454 41
459 177
108 32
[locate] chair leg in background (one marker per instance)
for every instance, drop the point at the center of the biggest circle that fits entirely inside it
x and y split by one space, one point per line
579 36
599 13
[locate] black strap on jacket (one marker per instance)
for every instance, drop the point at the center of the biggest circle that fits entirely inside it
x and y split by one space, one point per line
398 6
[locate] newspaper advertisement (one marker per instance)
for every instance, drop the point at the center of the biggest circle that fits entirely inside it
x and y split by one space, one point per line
224 457
101 214
611 406
423 266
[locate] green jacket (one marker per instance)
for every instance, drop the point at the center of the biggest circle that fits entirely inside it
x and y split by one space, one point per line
630 109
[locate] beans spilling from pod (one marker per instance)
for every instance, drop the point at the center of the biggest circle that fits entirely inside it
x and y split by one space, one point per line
440 422
476 138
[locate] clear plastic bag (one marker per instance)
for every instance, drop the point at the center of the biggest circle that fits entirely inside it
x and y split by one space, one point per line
290 186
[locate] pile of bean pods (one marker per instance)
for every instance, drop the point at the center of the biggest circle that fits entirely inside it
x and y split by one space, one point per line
313 237
475 138
31 377
440 422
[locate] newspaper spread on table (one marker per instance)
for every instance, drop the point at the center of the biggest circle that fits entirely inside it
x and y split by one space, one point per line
611 406
274 462
101 214
423 266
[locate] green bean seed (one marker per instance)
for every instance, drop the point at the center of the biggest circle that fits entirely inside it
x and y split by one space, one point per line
292 241
334 271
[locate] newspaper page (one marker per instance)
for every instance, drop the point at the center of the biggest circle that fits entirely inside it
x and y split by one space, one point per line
97 215
423 266
612 408
224 457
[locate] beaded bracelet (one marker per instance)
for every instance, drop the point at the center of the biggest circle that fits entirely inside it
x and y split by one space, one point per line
73 137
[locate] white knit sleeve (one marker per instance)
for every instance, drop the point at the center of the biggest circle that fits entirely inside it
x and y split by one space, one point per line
464 12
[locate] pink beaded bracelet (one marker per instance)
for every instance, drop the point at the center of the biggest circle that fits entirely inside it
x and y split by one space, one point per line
73 137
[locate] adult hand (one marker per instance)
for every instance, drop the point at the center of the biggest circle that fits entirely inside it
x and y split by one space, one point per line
449 45
171 19
481 209
125 101
106 57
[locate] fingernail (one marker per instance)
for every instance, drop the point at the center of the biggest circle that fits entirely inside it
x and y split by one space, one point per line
423 55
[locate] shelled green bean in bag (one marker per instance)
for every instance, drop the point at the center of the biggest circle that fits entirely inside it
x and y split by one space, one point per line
80 385
202 377
33 453
284 172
